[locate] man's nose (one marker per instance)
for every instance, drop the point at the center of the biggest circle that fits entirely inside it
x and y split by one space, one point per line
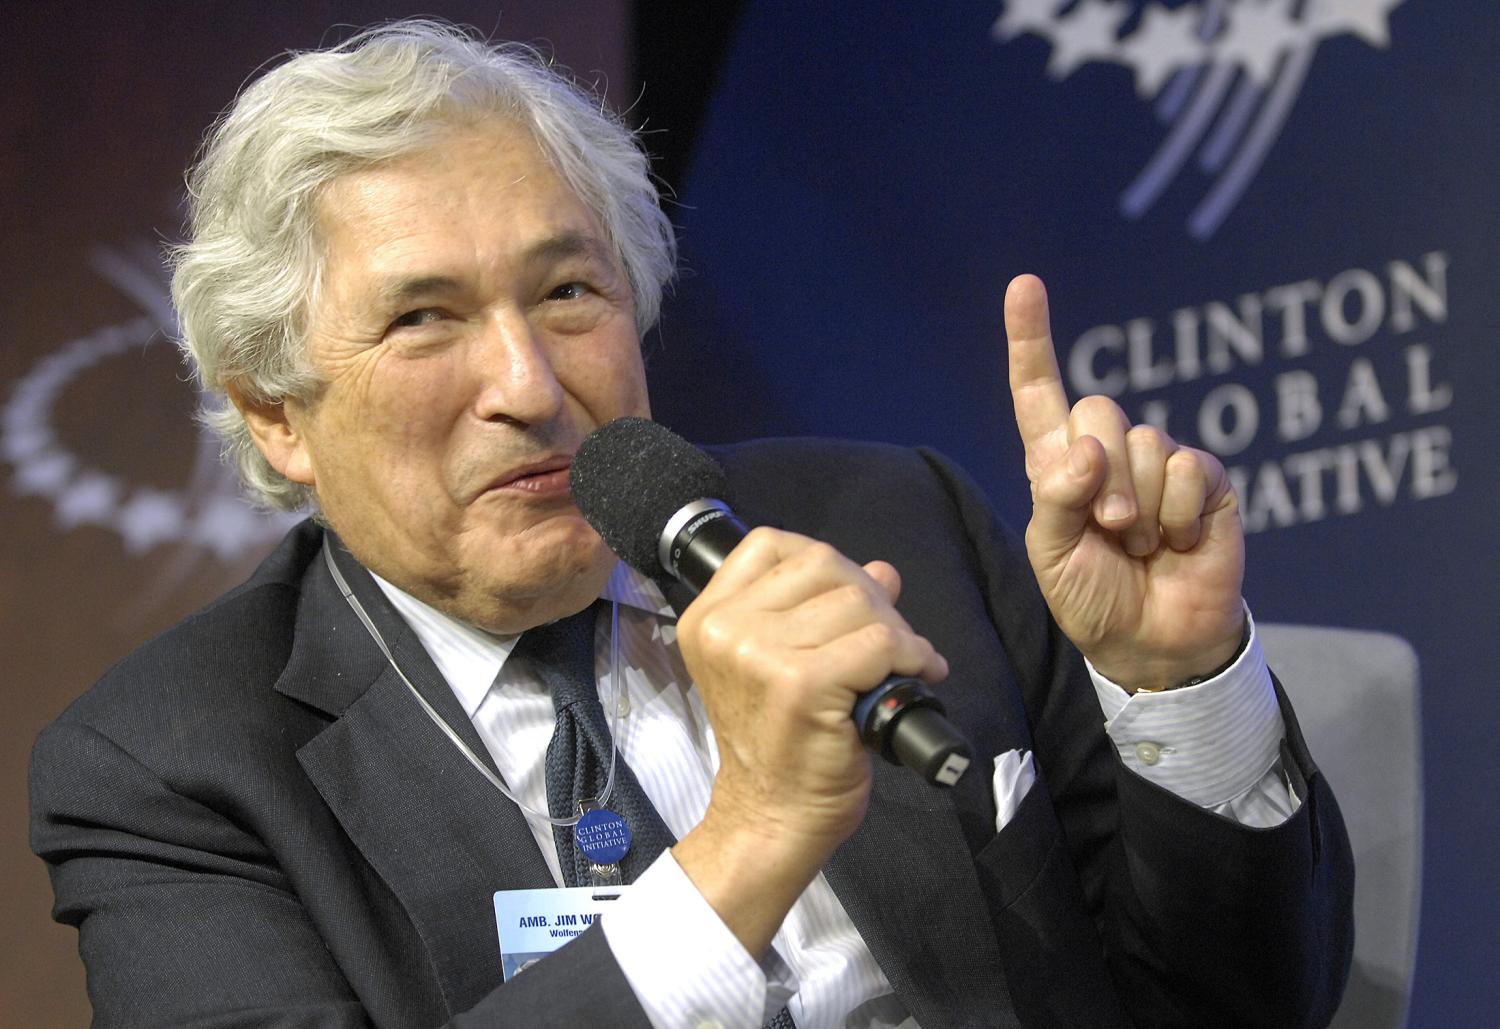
514 370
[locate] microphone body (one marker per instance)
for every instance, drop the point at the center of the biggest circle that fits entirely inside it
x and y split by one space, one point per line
898 719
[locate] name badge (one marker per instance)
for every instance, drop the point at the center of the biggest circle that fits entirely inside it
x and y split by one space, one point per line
533 923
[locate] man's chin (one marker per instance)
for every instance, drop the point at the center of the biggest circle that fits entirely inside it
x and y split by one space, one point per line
560 541
536 578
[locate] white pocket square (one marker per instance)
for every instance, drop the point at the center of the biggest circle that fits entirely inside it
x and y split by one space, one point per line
1014 775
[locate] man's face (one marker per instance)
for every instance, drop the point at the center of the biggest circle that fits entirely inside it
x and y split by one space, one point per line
471 327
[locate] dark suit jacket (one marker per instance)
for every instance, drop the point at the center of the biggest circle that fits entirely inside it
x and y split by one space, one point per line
251 822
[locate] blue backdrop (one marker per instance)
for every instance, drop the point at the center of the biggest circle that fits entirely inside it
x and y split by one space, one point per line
1271 227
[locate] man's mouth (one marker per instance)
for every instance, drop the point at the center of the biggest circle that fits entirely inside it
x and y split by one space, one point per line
547 477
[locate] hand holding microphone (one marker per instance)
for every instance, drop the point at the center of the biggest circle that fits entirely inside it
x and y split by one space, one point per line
789 612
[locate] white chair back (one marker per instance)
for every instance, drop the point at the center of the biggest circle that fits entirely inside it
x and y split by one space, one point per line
1357 698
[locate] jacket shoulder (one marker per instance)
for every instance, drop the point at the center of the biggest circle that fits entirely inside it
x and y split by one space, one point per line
805 483
211 660
814 455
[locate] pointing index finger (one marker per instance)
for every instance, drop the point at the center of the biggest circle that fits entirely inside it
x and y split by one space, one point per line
1036 389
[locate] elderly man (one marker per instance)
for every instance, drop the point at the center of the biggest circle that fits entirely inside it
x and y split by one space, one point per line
418 270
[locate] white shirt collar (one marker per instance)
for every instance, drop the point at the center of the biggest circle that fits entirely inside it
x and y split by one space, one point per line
471 658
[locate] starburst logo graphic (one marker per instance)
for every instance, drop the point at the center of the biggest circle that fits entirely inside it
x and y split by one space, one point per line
1224 75
207 512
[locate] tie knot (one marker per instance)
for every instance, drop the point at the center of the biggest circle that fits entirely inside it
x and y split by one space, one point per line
562 654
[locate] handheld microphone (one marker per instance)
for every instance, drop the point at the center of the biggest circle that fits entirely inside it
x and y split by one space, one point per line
662 505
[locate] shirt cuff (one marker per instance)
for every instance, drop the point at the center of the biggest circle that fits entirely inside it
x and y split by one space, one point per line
684 965
1214 744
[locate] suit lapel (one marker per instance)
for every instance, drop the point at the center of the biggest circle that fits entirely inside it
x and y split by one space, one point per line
436 831
410 656
906 875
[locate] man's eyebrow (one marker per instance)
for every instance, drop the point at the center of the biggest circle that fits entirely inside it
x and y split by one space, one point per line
565 245
401 291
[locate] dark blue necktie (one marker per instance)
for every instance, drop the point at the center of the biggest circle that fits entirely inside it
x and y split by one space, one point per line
562 653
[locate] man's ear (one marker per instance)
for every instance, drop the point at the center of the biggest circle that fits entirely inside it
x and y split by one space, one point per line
274 429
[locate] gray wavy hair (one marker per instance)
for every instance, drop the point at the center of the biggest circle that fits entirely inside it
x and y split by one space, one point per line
245 279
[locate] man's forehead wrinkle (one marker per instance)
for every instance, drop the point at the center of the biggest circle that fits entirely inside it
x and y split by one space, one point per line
397 232
568 243
572 244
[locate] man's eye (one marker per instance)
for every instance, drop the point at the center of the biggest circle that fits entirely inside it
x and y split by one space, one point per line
421 316
568 291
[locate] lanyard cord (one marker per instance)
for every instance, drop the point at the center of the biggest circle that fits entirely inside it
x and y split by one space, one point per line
457 740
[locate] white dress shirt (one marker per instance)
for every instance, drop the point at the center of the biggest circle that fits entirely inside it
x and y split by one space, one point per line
1216 744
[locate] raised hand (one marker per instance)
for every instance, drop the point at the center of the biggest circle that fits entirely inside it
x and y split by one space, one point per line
1135 540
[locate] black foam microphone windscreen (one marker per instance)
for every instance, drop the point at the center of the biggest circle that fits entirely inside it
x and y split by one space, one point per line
631 476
